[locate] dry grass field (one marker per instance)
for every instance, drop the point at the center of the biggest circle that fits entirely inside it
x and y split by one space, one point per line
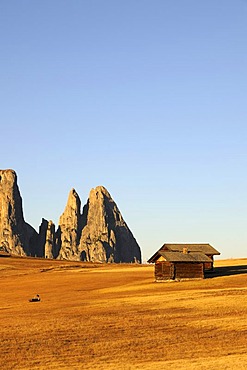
116 317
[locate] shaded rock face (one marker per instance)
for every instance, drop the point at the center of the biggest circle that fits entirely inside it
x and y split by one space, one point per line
105 236
16 236
47 245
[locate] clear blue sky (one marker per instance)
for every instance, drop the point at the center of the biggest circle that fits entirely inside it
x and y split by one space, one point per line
145 97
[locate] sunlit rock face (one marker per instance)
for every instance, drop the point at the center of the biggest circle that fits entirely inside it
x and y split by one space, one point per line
69 229
105 236
16 236
99 234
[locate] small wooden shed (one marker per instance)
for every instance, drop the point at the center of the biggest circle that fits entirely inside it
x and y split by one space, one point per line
179 265
205 249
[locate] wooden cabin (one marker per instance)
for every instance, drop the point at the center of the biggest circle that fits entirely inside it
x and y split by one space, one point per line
182 261
206 249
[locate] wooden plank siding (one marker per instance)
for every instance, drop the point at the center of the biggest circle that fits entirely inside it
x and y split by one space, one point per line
164 271
177 271
209 265
189 271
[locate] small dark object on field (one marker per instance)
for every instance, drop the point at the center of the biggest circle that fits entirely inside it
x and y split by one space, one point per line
35 299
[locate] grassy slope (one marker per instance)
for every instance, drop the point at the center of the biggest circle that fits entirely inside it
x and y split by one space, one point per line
116 317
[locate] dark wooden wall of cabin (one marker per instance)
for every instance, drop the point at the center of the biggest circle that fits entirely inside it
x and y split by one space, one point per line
189 270
164 271
209 265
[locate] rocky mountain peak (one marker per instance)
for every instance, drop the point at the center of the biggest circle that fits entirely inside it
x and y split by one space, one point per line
73 207
10 195
99 234
16 236
106 236
69 230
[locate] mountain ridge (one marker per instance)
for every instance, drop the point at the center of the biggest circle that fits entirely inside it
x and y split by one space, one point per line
97 234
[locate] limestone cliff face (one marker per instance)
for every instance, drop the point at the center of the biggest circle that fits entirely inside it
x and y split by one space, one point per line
69 230
105 236
100 234
16 236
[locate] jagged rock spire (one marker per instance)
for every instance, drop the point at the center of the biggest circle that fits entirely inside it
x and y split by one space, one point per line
69 230
100 234
47 245
16 236
106 236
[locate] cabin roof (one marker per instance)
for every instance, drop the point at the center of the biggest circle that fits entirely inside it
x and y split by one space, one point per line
203 248
181 257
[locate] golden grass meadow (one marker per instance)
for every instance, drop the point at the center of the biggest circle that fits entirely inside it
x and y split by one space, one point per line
95 316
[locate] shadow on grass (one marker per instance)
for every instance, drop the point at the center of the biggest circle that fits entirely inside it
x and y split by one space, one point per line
226 271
